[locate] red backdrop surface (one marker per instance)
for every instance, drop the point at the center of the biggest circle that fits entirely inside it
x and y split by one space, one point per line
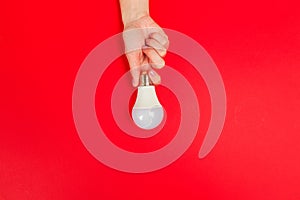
256 46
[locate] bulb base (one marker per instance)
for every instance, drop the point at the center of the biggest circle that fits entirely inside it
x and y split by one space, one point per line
144 80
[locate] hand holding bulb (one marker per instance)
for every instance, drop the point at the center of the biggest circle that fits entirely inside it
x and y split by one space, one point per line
145 42
145 46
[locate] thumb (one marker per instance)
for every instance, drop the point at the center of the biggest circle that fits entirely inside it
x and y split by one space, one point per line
135 61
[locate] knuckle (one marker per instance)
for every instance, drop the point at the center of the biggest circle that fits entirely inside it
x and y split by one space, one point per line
167 44
163 53
148 41
147 49
160 64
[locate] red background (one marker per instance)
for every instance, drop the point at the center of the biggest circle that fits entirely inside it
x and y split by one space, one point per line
256 46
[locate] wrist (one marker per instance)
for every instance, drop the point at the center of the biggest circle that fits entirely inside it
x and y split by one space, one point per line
133 10
128 19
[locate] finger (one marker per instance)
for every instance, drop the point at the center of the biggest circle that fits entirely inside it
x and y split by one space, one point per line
154 59
155 78
135 73
161 50
161 38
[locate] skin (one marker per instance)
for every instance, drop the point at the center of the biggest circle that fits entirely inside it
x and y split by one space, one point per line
145 42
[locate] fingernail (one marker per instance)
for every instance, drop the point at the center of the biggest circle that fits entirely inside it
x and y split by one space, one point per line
152 73
155 78
134 83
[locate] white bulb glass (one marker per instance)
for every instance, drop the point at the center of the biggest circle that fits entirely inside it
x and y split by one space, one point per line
147 112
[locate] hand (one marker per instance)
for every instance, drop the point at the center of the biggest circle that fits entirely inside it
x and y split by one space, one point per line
145 46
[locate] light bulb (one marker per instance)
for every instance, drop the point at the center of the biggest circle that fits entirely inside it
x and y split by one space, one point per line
147 112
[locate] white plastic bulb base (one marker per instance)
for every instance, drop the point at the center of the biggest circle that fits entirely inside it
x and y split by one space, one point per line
147 112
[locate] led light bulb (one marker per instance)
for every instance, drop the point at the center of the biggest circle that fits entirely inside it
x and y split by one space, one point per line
147 112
